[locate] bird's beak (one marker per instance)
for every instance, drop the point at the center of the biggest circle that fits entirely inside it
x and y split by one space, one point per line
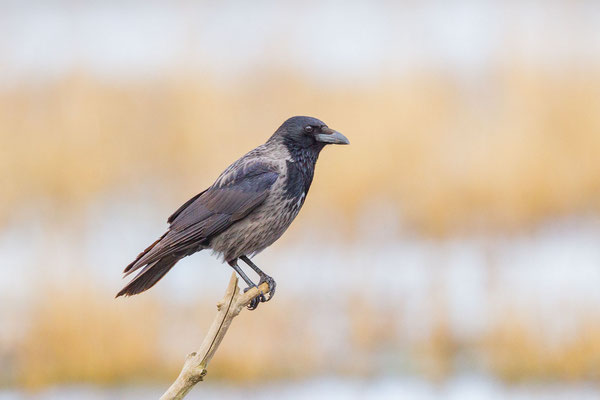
330 136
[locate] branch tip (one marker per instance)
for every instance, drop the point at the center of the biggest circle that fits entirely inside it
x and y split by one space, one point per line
194 369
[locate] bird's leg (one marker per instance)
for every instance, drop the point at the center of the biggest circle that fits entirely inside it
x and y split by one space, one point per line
254 303
241 272
263 277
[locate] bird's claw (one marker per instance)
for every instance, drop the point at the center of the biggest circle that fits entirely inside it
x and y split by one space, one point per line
272 285
255 301
261 298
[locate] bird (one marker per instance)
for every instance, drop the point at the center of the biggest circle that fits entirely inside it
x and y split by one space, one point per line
248 207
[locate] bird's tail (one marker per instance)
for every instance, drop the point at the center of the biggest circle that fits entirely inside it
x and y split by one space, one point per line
148 276
156 264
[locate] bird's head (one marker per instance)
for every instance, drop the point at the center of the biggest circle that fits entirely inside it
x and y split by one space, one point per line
309 132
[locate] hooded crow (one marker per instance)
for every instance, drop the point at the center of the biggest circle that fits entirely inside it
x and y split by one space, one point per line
247 209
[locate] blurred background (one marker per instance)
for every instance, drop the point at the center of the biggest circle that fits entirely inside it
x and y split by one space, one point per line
452 251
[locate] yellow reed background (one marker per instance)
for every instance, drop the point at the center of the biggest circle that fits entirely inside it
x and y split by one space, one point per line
510 151
515 149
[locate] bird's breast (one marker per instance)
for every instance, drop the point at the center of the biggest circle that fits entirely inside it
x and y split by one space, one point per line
261 228
267 222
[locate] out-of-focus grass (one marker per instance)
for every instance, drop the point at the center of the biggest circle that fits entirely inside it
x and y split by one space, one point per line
77 335
73 336
515 148
518 349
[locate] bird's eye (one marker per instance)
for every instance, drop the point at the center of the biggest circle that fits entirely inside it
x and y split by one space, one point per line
308 129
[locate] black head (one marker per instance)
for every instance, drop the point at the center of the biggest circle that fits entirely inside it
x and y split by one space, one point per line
308 132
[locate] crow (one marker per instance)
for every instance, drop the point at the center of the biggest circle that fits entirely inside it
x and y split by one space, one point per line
246 209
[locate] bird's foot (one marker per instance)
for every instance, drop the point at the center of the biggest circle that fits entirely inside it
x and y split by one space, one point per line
257 300
272 285
261 298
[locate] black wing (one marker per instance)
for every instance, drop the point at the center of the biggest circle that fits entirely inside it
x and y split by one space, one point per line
235 194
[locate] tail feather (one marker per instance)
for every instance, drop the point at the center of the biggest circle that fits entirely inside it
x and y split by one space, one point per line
151 272
148 276
135 265
155 262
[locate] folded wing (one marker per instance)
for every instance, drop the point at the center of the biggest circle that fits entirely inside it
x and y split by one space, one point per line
233 196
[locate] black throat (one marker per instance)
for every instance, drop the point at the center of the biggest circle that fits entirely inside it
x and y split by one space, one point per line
301 169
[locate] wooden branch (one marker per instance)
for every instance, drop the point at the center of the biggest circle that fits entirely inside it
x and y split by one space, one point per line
194 368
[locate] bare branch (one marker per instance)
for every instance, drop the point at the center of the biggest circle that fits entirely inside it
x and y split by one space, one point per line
194 368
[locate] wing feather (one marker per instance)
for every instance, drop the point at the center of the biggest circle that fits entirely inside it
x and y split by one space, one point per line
233 196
